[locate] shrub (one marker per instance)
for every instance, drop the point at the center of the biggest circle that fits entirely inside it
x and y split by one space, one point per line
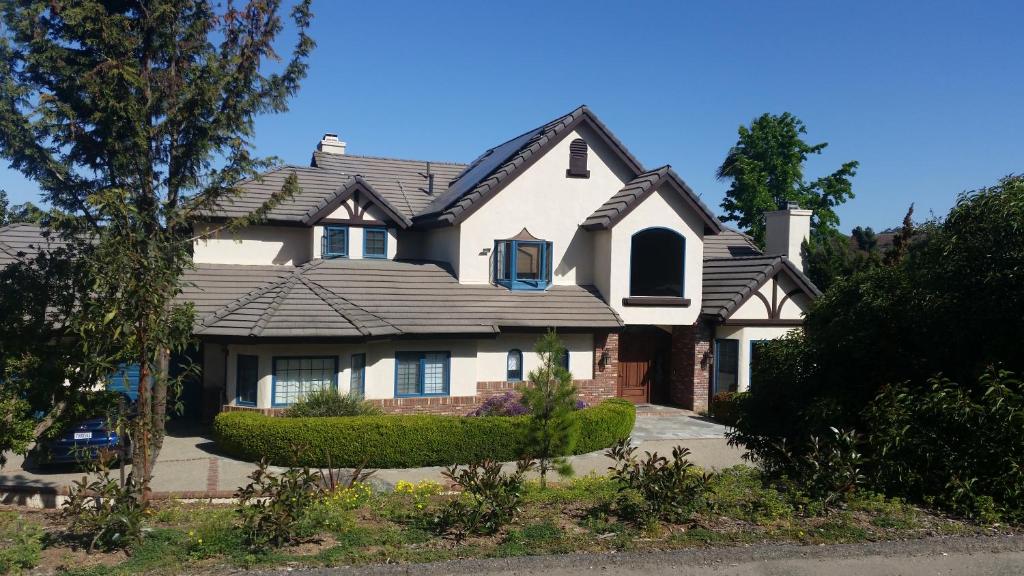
508 404
403 441
961 447
271 507
741 492
655 488
21 543
104 512
553 429
330 402
490 499
723 407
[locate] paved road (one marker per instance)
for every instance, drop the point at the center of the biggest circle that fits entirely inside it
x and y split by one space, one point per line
997 556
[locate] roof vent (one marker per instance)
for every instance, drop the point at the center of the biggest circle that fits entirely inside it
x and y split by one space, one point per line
330 144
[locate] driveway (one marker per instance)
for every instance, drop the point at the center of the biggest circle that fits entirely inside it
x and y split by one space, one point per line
189 464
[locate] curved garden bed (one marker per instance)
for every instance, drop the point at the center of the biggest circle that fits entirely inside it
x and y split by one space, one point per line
394 441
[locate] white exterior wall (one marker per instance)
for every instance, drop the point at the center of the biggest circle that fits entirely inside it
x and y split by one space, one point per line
662 209
746 335
548 204
261 244
755 308
472 361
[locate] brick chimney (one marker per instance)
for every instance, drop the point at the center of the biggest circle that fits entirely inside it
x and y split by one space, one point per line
785 231
330 144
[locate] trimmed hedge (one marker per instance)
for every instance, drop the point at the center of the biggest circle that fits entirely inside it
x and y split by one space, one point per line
402 441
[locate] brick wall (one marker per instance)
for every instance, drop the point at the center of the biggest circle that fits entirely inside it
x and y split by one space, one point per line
606 380
691 366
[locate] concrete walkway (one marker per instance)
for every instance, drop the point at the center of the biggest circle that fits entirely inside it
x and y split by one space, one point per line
189 463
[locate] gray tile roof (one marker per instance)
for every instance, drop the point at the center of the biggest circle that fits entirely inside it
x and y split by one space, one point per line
22 240
728 282
376 298
499 165
623 201
729 243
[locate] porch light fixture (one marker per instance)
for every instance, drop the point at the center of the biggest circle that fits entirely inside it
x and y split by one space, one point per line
603 361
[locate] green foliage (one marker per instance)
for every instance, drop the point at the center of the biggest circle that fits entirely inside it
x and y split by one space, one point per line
830 258
402 441
655 488
490 498
104 513
766 167
17 428
553 428
272 506
133 123
21 543
27 212
330 402
723 407
960 447
741 492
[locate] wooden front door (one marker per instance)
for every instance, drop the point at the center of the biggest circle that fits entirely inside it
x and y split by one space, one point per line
642 354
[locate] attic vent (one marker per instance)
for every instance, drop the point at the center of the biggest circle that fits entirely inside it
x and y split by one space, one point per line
578 159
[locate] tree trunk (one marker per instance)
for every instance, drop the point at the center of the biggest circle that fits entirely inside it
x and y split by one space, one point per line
159 412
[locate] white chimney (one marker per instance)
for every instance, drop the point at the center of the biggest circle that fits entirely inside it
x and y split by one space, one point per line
785 231
331 145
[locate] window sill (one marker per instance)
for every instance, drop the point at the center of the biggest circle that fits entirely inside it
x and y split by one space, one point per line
666 301
523 286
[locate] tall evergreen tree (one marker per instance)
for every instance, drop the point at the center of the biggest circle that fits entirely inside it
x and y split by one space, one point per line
135 118
766 170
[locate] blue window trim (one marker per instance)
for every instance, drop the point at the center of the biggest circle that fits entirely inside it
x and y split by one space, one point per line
328 230
352 372
273 375
375 229
508 373
513 282
238 374
682 274
420 375
718 364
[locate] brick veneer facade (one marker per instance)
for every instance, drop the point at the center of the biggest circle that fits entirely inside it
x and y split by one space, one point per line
602 386
691 365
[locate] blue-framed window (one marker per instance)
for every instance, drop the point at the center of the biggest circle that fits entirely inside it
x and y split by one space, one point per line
375 242
357 379
657 263
727 365
422 373
522 264
514 366
296 376
565 359
335 242
247 379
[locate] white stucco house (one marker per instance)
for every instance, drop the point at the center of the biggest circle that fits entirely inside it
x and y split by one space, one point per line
424 285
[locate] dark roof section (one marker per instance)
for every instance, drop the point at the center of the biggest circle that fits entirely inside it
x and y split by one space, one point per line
729 282
636 190
405 184
21 240
375 298
495 168
729 243
356 184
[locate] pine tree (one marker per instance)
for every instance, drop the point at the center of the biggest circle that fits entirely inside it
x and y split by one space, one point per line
553 430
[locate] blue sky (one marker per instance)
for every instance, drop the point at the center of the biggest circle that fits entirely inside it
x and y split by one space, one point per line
928 96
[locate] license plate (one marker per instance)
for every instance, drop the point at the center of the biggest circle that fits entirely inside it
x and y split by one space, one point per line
83 435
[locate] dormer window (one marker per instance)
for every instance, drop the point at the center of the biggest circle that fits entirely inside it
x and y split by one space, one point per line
578 159
335 242
522 262
375 243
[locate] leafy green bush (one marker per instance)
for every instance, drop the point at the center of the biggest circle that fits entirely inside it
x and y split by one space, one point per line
741 492
330 402
959 446
490 498
403 441
104 512
723 407
21 543
272 507
655 488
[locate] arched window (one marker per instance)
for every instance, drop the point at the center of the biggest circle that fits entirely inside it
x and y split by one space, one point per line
656 263
514 366
578 159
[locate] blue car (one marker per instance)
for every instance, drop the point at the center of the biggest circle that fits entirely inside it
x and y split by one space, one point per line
83 443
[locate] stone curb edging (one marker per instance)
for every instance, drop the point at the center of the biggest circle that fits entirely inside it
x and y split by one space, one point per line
51 497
